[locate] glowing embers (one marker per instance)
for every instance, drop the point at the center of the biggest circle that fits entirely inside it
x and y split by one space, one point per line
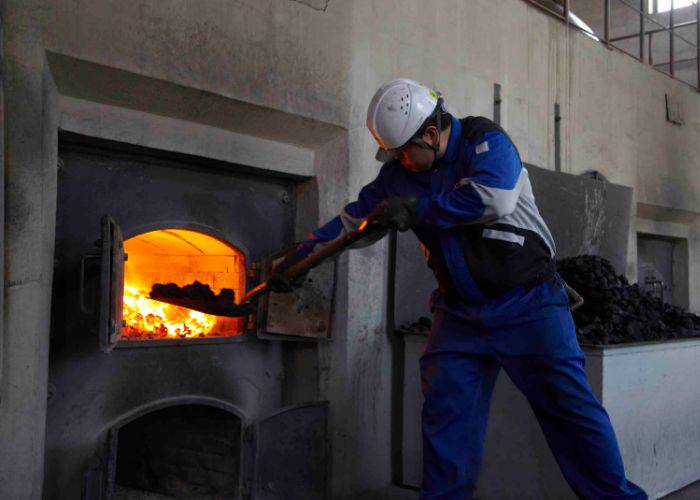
178 256
151 319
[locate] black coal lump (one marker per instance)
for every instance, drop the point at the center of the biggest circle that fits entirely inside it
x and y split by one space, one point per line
170 290
226 296
195 290
198 290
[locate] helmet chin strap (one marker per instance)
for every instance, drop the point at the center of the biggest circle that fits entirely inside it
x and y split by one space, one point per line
438 125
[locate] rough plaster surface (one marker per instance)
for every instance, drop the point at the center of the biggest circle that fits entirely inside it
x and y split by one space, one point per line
281 55
168 134
318 60
353 46
2 197
320 5
30 161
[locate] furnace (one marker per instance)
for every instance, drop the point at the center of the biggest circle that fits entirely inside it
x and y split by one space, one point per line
149 397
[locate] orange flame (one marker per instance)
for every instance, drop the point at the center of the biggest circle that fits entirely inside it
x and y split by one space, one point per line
146 317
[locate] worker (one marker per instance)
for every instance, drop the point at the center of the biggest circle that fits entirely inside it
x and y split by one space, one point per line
461 186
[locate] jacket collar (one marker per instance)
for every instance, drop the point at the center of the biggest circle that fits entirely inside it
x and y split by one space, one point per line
452 144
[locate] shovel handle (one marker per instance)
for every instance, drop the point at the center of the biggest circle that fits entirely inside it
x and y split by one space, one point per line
367 227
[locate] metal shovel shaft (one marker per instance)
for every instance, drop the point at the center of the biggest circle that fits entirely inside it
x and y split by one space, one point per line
367 227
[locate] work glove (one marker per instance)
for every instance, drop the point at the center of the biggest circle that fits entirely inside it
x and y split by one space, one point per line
397 213
278 282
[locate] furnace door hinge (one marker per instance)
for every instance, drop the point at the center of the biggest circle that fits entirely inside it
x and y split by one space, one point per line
253 274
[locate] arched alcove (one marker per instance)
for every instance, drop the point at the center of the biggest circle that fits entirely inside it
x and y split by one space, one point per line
190 451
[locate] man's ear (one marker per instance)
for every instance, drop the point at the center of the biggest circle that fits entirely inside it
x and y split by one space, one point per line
432 133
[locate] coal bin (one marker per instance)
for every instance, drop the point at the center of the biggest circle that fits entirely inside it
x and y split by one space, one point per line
616 312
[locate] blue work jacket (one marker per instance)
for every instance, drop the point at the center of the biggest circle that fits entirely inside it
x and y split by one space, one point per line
477 219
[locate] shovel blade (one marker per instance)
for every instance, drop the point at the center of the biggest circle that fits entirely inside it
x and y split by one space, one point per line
208 306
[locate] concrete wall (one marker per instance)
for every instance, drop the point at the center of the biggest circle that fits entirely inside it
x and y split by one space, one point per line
304 72
30 191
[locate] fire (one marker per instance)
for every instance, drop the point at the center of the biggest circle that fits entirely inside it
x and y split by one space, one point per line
149 318
178 256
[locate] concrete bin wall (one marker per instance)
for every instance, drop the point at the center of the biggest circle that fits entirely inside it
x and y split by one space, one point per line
649 390
652 393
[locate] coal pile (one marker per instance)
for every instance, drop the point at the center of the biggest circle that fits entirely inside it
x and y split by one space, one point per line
196 290
615 312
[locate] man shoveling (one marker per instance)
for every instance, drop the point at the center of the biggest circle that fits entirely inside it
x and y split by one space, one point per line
461 187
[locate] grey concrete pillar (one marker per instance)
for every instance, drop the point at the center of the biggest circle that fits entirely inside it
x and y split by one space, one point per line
30 214
2 187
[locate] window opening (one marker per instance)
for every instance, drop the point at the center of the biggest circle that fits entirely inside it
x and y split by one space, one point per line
659 6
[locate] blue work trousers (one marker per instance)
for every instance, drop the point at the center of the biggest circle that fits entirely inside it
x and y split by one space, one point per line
531 335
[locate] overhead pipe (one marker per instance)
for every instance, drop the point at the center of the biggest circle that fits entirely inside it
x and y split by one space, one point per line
672 40
642 19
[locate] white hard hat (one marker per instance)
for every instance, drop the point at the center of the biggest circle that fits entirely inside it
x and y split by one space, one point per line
398 110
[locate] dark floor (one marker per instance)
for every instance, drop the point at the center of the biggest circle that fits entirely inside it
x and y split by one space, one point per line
126 493
690 492
390 493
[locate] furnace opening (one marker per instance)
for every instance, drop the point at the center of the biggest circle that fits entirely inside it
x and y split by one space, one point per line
189 451
179 256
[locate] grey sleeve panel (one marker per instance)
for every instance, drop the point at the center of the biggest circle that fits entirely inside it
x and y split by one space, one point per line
498 203
527 216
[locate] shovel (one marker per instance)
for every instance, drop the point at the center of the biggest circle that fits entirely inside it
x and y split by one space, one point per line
248 303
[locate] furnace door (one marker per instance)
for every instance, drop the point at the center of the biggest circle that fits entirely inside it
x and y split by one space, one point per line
303 314
292 454
111 256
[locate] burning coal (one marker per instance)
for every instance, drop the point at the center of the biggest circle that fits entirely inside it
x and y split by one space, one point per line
147 318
